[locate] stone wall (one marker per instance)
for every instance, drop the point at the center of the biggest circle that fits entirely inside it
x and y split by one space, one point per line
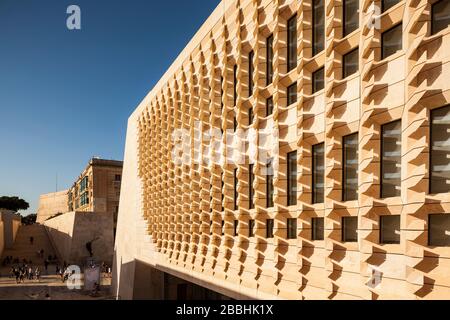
11 224
70 232
2 241
51 204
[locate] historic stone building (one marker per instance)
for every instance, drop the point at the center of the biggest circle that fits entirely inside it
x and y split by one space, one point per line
97 189
51 204
357 94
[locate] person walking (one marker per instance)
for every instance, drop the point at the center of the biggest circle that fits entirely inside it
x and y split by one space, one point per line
37 273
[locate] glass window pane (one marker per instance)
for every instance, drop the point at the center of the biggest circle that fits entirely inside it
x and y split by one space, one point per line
292 43
350 63
391 41
318 174
250 73
390 229
318 80
318 26
251 228
235 84
351 16
387 4
251 205
350 170
349 229
235 190
439 230
317 229
269 228
440 150
292 178
292 94
236 224
269 53
391 159
440 16
269 106
269 187
292 228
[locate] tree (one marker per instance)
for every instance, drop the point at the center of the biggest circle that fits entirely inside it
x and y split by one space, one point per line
13 203
29 219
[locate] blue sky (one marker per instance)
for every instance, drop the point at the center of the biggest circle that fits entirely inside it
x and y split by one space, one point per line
65 96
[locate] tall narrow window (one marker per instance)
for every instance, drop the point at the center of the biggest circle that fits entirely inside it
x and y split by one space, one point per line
235 190
292 228
251 228
318 17
391 41
351 16
292 94
250 116
350 170
390 229
439 230
318 174
223 228
292 43
221 94
269 106
236 225
222 190
440 16
292 178
350 64
387 4
269 60
349 229
250 73
235 84
269 228
317 229
391 158
269 187
440 150
251 205
318 80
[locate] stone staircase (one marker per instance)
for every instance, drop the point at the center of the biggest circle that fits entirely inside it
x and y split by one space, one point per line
23 249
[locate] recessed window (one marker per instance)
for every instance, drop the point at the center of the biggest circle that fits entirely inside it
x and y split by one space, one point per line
236 225
350 64
223 228
269 61
349 229
318 15
387 4
318 80
440 16
251 55
269 187
292 94
292 228
292 178
439 230
350 167
235 124
317 229
390 229
251 176
250 116
269 106
351 16
391 159
292 43
235 84
235 189
391 41
221 94
251 228
440 150
269 228
118 177
318 173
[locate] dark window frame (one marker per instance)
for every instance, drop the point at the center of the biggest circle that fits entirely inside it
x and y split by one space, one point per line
381 157
383 56
292 66
269 62
288 100
236 226
313 40
314 236
430 154
344 31
429 230
251 56
251 178
343 166
432 12
269 107
235 197
288 179
381 230
314 88
269 195
313 182
344 74
343 235
291 228
251 228
269 228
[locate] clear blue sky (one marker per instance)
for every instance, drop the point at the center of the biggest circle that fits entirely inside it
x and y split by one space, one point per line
65 96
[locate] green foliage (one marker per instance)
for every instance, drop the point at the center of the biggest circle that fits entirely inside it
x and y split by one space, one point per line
29 219
13 203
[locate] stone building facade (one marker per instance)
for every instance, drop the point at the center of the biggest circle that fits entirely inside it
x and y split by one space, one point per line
357 95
